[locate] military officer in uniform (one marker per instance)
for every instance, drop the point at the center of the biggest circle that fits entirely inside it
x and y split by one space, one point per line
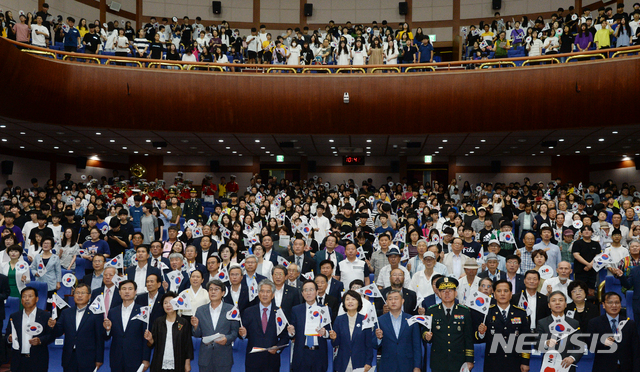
508 321
193 207
451 333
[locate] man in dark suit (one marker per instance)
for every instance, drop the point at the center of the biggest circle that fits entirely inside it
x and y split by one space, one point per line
626 356
175 264
156 259
325 299
632 281
250 266
237 293
83 332
142 270
536 304
206 248
570 352
269 253
128 346
213 268
328 253
220 351
260 328
305 263
30 354
96 276
433 299
108 290
309 352
335 287
400 349
517 280
503 319
492 271
294 279
152 298
5 291
285 296
409 296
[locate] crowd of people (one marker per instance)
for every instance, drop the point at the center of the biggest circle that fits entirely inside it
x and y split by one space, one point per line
191 41
310 265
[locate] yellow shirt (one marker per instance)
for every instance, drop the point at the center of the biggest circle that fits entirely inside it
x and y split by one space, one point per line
222 189
82 32
602 38
399 36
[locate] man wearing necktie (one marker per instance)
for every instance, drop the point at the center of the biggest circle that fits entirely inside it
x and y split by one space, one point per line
260 328
626 357
310 351
451 333
83 348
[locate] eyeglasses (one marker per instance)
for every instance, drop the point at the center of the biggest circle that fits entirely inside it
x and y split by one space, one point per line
307 290
82 293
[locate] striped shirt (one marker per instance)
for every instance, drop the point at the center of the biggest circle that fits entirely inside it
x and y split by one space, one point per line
140 43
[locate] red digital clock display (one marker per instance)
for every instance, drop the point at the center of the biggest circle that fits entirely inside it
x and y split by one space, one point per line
353 160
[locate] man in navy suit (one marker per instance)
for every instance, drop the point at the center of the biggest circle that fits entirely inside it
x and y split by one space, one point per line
535 300
108 290
156 259
142 270
260 328
205 249
152 298
213 268
334 286
399 344
269 253
632 280
285 296
128 347
328 253
83 332
310 352
94 279
250 266
517 280
175 264
305 262
30 353
626 356
237 293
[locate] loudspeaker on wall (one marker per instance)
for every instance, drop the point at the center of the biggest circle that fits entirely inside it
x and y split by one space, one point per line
403 7
395 166
495 166
308 10
7 167
214 166
217 7
81 162
497 4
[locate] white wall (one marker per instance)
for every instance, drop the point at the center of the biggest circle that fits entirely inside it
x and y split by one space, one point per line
482 8
24 170
356 11
432 10
280 11
232 10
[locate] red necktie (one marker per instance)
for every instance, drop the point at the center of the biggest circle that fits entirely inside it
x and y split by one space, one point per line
264 320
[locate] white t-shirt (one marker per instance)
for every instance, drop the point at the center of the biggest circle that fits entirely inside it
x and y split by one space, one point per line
39 39
189 57
359 56
634 26
294 55
253 43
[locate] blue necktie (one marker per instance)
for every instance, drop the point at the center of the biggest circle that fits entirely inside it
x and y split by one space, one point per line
309 342
614 327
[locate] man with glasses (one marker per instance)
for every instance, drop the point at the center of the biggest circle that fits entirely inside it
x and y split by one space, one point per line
83 348
625 357
285 296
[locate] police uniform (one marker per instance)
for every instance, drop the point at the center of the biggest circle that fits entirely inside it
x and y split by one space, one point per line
192 209
515 324
452 340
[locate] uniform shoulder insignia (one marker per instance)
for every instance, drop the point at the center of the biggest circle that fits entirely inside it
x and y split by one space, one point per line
492 306
462 306
432 306
519 308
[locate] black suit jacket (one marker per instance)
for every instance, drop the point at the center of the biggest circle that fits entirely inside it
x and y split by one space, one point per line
5 291
39 353
252 320
410 301
333 304
627 350
290 298
542 305
519 283
336 289
571 349
116 300
212 249
501 275
157 310
87 341
243 300
131 272
308 263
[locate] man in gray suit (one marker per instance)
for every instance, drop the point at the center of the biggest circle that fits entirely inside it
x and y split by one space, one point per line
571 353
217 355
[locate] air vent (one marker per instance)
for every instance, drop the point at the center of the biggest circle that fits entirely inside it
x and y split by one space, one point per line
350 150
115 6
414 145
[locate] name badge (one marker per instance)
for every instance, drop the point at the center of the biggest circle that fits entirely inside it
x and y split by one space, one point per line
516 321
460 317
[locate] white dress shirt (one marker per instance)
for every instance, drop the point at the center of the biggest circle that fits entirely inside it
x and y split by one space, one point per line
27 320
79 315
278 295
126 314
141 278
215 314
532 302
235 295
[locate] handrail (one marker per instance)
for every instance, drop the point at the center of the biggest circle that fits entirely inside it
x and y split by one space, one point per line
425 67
585 56
208 66
498 63
151 64
553 60
40 52
625 52
64 58
277 68
438 65
344 69
119 60
384 69
310 69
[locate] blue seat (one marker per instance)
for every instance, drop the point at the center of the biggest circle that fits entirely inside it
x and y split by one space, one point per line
629 298
10 306
41 287
612 284
80 267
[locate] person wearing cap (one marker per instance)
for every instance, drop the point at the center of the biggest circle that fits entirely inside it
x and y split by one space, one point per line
451 333
455 259
393 255
421 280
503 320
478 223
566 245
469 282
193 208
232 186
404 351
492 262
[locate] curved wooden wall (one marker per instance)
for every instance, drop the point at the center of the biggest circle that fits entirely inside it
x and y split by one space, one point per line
594 93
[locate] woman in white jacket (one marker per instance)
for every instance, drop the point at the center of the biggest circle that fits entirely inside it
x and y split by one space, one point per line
16 269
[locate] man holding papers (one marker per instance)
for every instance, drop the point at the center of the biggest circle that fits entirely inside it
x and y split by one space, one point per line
216 355
264 325
306 327
507 321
